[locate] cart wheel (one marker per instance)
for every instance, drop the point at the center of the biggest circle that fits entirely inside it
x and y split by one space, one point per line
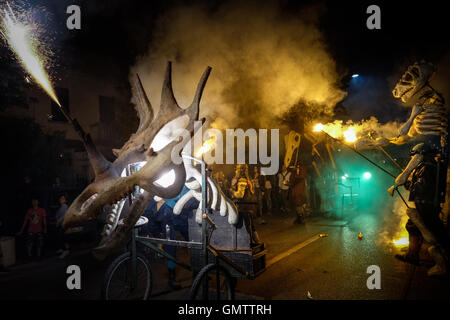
118 285
213 282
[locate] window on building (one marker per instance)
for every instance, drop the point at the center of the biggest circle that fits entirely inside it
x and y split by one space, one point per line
63 97
107 109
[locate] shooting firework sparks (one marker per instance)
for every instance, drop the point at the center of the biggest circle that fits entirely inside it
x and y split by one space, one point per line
19 37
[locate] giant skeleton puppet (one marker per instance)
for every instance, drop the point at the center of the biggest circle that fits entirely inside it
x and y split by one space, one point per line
153 144
425 174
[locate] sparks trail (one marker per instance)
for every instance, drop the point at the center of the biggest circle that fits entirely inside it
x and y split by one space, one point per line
18 35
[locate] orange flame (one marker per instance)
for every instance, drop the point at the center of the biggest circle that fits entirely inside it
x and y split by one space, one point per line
338 130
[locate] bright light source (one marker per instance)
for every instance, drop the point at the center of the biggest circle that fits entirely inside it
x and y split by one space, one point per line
350 135
318 127
344 177
355 75
402 242
367 175
166 180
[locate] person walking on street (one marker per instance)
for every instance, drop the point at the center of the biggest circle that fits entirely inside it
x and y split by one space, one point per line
63 250
37 227
283 184
267 193
257 182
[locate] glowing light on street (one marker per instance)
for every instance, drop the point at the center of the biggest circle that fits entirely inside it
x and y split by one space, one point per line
355 75
18 36
367 175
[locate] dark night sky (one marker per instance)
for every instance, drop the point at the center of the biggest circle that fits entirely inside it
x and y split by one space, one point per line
408 30
115 32
122 29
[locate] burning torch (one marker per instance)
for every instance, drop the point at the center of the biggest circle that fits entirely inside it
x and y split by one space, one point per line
350 136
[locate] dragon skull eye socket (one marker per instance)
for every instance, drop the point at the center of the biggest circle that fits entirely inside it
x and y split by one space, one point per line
166 179
169 132
132 168
415 71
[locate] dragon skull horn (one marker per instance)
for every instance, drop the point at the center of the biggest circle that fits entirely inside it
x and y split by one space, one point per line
143 105
97 160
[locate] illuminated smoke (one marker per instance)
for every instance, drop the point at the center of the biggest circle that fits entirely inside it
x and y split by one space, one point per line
264 61
351 131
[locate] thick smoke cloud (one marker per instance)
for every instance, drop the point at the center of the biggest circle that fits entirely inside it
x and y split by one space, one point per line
264 61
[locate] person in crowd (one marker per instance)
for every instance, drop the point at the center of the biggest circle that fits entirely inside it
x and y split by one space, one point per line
64 248
257 182
35 218
243 194
160 225
24 194
267 193
219 177
55 191
298 193
284 178
163 223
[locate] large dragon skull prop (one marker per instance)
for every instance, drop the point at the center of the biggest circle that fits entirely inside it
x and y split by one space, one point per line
153 144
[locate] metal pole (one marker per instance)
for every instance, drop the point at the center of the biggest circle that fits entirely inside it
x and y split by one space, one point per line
204 231
204 217
390 158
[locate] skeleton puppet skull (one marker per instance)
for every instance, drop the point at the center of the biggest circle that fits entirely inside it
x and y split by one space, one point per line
413 80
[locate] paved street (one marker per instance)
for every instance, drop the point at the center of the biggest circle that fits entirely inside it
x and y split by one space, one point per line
329 267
